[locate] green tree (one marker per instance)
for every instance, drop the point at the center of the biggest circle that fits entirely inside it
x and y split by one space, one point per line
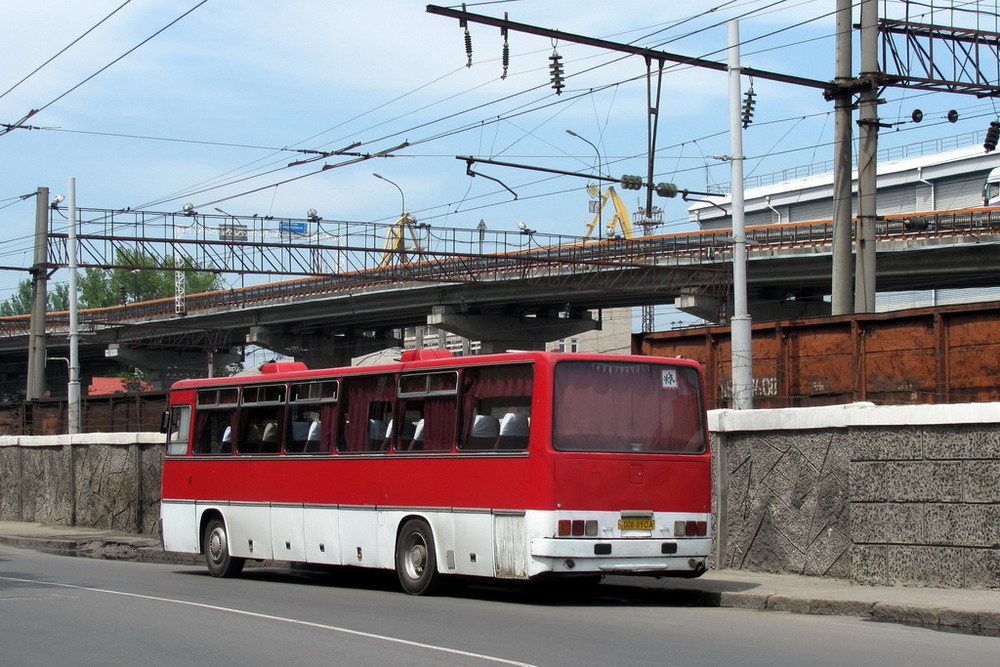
149 279
20 303
100 288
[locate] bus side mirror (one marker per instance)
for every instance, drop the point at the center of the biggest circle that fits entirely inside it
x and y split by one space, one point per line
165 422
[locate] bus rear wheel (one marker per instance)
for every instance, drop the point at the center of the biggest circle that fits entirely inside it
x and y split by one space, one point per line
220 563
416 559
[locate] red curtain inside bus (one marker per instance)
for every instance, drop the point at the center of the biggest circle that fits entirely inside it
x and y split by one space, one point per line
627 407
489 394
366 409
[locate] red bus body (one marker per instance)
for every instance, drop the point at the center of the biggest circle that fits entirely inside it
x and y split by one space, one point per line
552 503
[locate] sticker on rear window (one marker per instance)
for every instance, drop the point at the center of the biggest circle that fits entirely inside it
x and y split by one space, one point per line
668 378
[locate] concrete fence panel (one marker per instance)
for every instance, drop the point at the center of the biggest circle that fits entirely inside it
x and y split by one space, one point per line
891 495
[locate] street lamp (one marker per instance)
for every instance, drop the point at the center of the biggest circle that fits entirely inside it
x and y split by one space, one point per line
402 197
600 173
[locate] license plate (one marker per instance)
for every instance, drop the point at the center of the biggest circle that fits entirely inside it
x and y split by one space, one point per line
636 524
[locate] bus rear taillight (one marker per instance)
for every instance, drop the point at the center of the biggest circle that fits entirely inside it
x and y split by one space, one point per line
690 528
577 528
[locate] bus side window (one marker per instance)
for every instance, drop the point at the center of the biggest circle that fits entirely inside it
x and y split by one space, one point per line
215 421
427 425
214 432
496 408
262 418
180 427
428 411
366 407
312 417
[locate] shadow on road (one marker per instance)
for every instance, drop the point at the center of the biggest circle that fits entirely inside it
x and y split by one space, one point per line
612 591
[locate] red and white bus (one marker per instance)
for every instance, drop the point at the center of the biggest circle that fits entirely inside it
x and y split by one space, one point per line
519 466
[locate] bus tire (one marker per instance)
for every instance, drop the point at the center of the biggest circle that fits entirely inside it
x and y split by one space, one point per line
416 559
220 563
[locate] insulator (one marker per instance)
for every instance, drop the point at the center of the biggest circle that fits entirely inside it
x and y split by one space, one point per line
630 182
992 136
917 115
505 56
952 116
556 72
748 104
668 190
468 47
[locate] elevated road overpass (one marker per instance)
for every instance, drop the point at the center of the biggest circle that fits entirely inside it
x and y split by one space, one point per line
519 297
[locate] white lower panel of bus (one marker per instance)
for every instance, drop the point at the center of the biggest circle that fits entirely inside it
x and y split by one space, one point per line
514 544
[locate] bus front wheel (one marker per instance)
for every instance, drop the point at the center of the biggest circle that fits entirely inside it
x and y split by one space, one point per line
416 559
220 563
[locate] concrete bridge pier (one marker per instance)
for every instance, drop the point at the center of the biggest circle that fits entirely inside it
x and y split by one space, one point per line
322 350
501 332
767 306
163 367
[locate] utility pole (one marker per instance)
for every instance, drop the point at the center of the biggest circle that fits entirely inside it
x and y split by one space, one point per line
842 290
864 270
39 282
741 336
73 388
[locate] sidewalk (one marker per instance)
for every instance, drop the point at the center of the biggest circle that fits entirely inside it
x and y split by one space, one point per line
961 610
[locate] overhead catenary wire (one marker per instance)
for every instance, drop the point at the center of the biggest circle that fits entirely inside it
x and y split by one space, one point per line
64 49
105 67
437 120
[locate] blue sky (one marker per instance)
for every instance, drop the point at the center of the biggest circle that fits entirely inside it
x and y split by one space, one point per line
322 75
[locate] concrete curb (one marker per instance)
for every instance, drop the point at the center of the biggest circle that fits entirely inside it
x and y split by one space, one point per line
936 617
139 549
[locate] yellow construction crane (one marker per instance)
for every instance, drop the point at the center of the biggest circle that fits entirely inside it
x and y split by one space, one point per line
620 219
395 241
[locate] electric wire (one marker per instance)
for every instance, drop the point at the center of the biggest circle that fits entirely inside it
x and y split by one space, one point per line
110 64
440 135
63 50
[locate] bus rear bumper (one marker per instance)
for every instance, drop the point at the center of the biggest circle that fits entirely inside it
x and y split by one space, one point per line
621 555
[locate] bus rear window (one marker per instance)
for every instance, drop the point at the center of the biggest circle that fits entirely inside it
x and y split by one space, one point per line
627 407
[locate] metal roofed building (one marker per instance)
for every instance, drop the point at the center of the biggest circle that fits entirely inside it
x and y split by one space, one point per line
936 182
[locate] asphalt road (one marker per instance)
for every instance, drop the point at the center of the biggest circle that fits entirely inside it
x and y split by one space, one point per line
74 611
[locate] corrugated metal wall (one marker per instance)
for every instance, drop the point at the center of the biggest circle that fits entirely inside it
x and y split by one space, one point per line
956 192
948 354
114 413
960 192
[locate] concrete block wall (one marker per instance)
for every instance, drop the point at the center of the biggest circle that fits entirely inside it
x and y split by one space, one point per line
925 506
892 495
788 502
97 480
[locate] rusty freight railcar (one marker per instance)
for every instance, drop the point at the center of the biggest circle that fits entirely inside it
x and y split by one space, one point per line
946 354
